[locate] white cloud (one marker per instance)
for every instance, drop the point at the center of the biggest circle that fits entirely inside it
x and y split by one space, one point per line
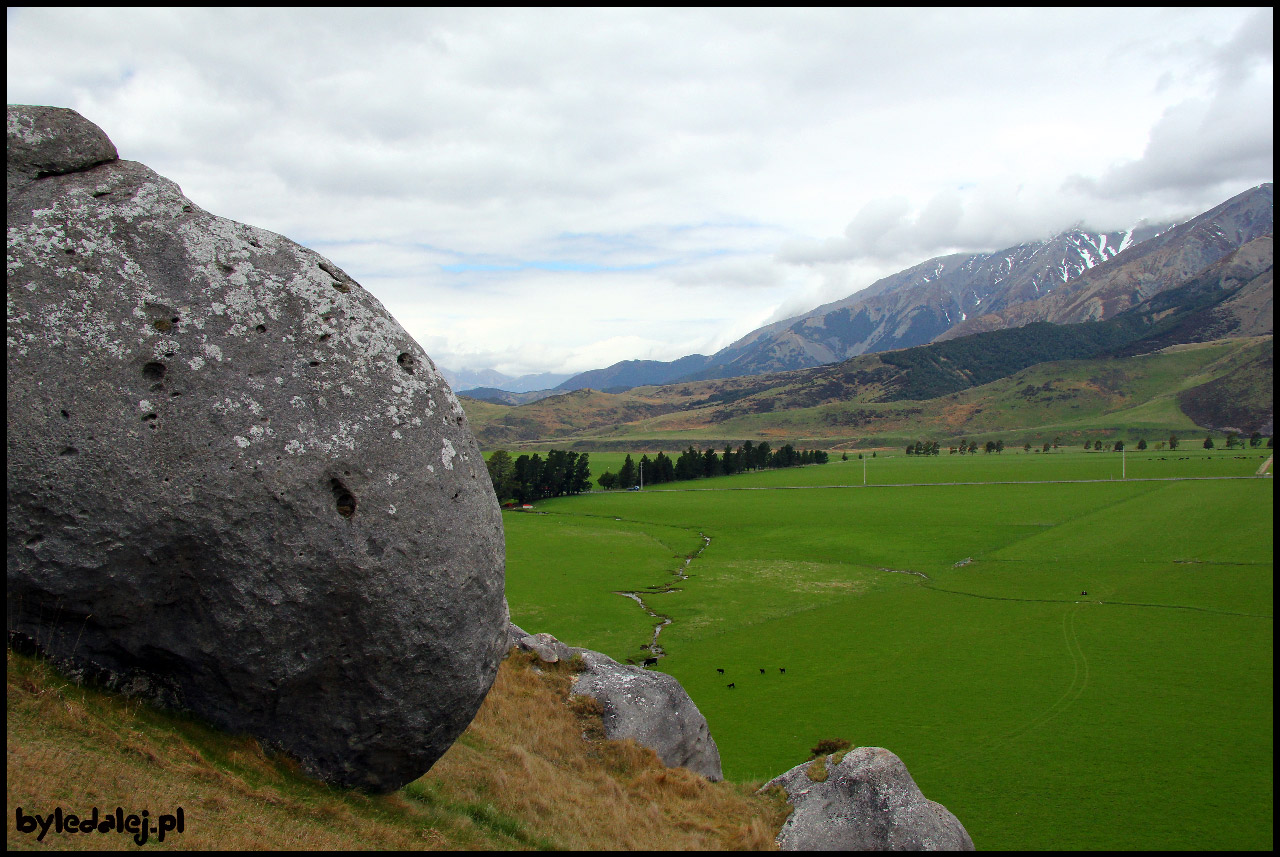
667 178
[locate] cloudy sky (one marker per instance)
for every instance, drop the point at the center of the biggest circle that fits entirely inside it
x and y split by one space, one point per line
558 190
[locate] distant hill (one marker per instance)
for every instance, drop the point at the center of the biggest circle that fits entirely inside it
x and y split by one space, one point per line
636 373
503 397
470 379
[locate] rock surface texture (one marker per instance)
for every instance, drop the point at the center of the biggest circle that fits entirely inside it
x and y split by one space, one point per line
867 803
654 710
235 484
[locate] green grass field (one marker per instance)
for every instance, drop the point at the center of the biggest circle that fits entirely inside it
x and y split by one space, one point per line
1138 716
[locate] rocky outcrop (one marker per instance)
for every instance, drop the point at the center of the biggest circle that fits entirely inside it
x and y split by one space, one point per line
868 802
235 483
548 649
651 708
654 710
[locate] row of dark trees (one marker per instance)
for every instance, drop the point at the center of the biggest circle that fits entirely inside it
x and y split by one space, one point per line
932 447
971 446
529 478
692 464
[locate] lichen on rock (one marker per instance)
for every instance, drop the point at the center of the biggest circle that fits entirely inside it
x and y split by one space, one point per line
863 801
253 524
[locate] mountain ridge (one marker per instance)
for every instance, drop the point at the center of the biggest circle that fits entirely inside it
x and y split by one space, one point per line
949 296
1229 301
1148 268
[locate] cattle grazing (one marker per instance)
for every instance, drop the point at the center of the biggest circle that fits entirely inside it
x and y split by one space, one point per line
782 669
1082 592
761 671
720 671
650 661
730 684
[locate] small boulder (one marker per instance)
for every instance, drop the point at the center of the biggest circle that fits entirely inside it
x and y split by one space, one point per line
548 649
653 709
868 802
52 141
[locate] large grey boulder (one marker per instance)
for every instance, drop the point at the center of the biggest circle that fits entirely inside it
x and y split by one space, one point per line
235 483
653 709
868 802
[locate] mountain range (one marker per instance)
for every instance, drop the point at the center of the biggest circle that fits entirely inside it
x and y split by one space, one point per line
471 380
1074 276
1171 332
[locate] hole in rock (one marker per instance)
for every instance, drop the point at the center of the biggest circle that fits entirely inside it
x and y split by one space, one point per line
406 362
154 371
262 328
69 450
344 499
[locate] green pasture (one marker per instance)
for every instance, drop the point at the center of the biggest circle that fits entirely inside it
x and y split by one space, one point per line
946 622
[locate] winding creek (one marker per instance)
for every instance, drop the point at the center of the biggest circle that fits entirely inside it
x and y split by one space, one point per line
662 620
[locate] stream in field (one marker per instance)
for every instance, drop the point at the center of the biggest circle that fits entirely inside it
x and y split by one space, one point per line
681 573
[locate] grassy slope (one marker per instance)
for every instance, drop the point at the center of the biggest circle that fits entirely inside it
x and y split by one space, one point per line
1042 722
1079 398
521 777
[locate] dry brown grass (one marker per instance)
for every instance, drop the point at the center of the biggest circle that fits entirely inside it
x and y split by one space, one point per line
530 772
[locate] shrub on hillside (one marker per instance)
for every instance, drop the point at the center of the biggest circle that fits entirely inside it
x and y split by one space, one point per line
827 746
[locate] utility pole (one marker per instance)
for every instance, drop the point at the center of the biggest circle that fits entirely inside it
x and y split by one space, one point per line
642 476
1122 451
864 470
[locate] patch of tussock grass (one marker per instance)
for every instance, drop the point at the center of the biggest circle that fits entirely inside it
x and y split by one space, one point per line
532 772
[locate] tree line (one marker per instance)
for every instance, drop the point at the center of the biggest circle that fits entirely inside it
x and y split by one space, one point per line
692 464
529 478
966 447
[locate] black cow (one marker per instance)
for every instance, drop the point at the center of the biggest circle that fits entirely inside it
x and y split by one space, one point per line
648 662
730 684
720 671
761 671
782 669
